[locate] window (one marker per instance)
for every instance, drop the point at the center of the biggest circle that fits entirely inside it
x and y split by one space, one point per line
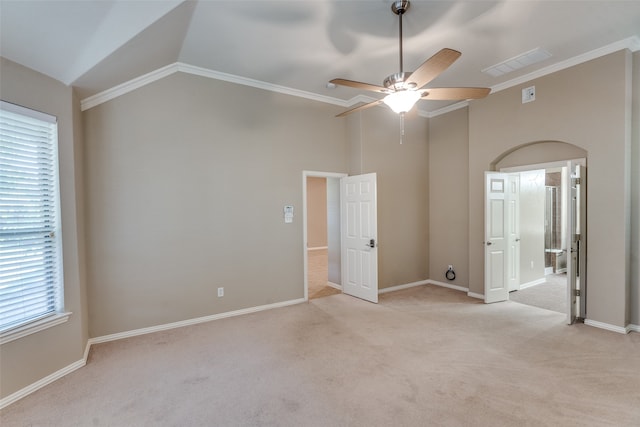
30 238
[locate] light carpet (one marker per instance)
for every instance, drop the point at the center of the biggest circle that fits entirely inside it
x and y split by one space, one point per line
550 295
425 356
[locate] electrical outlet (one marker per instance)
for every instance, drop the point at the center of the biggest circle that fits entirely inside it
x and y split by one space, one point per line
220 292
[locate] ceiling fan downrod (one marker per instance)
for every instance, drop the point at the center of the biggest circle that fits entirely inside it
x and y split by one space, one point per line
399 8
397 81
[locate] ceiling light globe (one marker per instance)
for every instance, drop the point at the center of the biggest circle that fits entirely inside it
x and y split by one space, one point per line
402 101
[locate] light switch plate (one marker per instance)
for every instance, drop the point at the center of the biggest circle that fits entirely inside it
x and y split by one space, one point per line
288 214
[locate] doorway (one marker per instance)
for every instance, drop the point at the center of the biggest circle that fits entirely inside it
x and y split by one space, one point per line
535 246
322 238
544 271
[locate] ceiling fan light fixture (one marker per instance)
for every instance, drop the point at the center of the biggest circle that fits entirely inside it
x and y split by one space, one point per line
402 101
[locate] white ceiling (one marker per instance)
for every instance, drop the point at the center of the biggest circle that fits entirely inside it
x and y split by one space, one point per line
96 45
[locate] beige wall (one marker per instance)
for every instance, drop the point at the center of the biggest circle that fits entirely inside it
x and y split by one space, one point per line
186 181
448 196
316 212
540 152
572 106
334 251
29 359
402 174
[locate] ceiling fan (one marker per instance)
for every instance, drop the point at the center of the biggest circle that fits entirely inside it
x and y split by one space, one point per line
403 89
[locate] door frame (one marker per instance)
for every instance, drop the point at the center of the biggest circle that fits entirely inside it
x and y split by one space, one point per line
576 235
547 165
311 174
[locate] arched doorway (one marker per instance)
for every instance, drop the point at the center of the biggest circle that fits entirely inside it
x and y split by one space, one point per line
540 252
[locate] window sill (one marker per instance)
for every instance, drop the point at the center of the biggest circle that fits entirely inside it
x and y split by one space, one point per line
33 327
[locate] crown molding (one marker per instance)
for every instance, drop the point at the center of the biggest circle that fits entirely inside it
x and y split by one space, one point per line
160 73
444 110
634 43
631 43
217 75
126 87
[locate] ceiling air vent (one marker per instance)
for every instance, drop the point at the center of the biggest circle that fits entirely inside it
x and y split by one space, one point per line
517 62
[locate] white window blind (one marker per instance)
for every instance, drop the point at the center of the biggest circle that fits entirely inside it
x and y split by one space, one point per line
30 249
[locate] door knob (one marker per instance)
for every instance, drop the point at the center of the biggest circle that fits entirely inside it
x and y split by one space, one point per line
489 243
372 243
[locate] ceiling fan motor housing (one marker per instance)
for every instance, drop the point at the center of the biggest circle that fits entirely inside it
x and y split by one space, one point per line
398 81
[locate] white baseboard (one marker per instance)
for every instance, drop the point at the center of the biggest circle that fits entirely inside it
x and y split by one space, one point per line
608 327
167 326
532 283
87 348
400 287
432 282
448 285
41 383
457 288
633 328
334 285
429 282
112 337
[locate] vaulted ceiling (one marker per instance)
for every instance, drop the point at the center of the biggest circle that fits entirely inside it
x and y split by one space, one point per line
96 45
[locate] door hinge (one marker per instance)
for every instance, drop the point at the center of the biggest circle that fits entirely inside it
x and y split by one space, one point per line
575 181
576 237
576 292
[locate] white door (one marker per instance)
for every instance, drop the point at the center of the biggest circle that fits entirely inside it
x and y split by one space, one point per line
576 265
359 236
513 233
496 286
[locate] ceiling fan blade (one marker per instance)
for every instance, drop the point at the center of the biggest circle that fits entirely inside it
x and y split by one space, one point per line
361 107
359 85
454 93
432 67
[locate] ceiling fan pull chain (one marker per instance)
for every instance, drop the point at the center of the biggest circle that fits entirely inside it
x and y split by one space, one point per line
401 128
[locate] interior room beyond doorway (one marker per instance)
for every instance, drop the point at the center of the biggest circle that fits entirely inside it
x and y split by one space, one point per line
317 276
322 250
542 259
